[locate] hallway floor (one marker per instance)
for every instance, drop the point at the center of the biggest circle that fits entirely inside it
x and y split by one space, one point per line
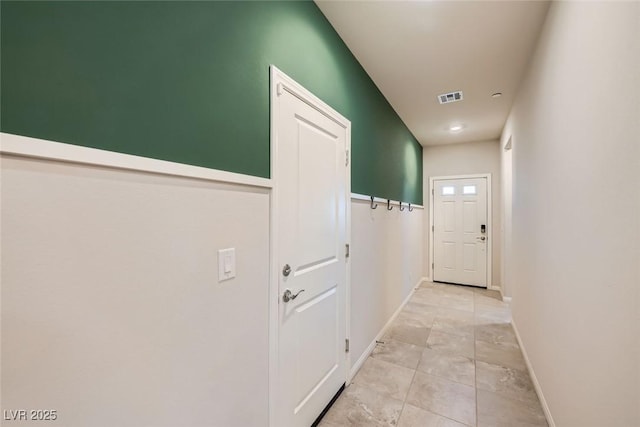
450 359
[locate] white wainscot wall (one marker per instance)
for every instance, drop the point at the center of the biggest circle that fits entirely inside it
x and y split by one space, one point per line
112 313
387 259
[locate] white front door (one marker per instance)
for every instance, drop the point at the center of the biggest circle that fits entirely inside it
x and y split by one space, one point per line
460 231
311 197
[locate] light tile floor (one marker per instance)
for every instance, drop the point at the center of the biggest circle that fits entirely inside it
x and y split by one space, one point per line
450 359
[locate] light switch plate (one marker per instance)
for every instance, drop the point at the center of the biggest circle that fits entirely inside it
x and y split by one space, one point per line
226 264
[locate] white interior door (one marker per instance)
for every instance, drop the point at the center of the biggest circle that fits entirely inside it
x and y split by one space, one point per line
460 231
311 196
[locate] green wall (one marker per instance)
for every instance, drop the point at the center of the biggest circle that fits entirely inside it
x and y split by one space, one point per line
189 82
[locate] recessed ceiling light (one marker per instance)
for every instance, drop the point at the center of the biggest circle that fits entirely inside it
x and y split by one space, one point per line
455 128
497 95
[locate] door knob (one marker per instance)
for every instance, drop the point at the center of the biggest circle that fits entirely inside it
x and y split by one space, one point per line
482 238
286 270
288 296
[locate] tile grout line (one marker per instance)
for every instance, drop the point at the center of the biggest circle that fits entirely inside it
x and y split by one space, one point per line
404 402
415 371
447 379
474 312
457 336
438 376
431 410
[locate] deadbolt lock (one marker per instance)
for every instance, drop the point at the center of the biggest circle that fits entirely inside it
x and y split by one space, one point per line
286 270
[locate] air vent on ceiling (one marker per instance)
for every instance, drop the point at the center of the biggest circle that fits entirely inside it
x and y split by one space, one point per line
446 98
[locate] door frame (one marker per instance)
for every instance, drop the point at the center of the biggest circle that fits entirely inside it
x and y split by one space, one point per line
487 176
279 82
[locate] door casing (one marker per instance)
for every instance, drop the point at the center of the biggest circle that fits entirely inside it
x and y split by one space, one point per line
487 176
280 81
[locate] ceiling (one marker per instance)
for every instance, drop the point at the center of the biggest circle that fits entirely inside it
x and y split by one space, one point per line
416 50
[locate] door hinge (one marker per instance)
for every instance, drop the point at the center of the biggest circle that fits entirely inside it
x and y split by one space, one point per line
346 345
432 193
347 249
432 228
432 266
346 163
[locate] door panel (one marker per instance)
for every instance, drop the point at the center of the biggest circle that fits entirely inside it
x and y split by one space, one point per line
449 261
469 258
318 179
449 216
311 205
460 247
318 321
470 217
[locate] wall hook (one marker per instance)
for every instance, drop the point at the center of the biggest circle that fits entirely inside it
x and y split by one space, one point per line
401 208
410 208
389 207
372 205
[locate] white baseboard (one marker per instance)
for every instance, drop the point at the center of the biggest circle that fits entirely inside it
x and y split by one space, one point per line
425 279
495 288
356 366
506 299
534 379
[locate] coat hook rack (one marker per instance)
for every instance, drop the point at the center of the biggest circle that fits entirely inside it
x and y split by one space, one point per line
389 207
401 208
372 205
410 208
